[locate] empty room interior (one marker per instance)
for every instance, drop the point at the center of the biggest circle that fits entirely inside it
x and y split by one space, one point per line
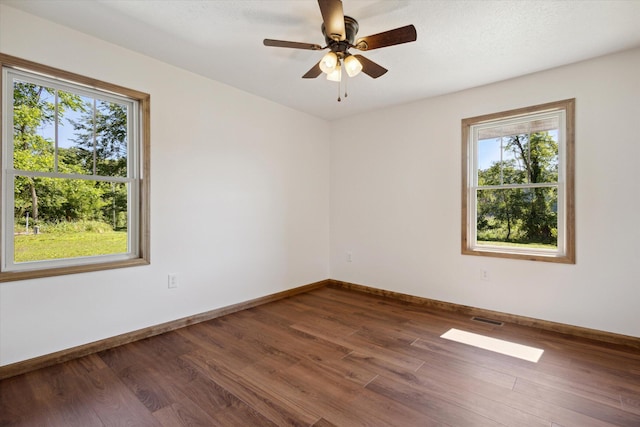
437 224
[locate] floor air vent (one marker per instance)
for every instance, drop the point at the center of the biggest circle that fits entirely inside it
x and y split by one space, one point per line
490 321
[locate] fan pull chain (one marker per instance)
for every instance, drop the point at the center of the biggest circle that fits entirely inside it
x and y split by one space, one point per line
345 87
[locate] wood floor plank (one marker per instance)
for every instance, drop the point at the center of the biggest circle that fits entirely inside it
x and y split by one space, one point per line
591 387
379 366
333 357
328 303
330 393
428 404
261 332
631 403
153 389
114 403
464 381
183 413
595 410
63 396
340 402
323 423
327 354
346 368
382 411
363 346
206 339
552 376
40 405
156 351
222 405
249 390
312 346
468 369
240 350
439 383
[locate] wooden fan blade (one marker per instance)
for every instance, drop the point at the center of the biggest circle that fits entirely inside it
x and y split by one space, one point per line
333 18
388 38
313 72
293 45
370 68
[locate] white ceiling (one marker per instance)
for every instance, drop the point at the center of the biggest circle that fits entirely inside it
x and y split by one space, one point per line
461 44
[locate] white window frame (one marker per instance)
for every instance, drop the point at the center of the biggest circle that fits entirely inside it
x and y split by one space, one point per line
137 178
564 111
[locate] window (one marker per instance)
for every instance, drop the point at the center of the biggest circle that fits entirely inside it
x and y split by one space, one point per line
517 177
75 173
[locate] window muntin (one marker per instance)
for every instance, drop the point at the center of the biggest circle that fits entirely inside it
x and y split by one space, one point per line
73 155
518 186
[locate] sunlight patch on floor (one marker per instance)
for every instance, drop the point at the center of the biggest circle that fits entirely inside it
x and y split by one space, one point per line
509 348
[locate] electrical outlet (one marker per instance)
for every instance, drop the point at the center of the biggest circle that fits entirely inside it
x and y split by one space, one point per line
349 257
484 274
173 281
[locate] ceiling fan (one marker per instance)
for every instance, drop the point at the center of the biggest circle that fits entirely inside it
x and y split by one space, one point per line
339 33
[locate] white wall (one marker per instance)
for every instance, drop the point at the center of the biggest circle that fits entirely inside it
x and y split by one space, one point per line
253 217
395 201
239 202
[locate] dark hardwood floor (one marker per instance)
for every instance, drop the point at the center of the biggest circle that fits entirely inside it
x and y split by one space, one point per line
333 357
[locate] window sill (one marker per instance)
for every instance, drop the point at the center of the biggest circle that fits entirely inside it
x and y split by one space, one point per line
9 276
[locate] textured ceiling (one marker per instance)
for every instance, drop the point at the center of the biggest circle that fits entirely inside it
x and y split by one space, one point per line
461 44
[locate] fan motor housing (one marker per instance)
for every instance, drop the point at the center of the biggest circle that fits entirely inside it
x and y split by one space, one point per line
350 28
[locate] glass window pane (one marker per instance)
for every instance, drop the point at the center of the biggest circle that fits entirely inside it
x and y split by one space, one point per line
518 217
531 158
68 218
76 134
115 196
515 153
544 157
33 127
111 139
489 155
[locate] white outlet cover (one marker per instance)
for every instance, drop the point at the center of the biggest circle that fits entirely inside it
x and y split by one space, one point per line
173 281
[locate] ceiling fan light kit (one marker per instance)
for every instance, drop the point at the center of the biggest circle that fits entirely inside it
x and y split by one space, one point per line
339 32
352 66
329 62
336 74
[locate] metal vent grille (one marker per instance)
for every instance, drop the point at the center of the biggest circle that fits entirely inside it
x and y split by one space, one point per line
484 320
